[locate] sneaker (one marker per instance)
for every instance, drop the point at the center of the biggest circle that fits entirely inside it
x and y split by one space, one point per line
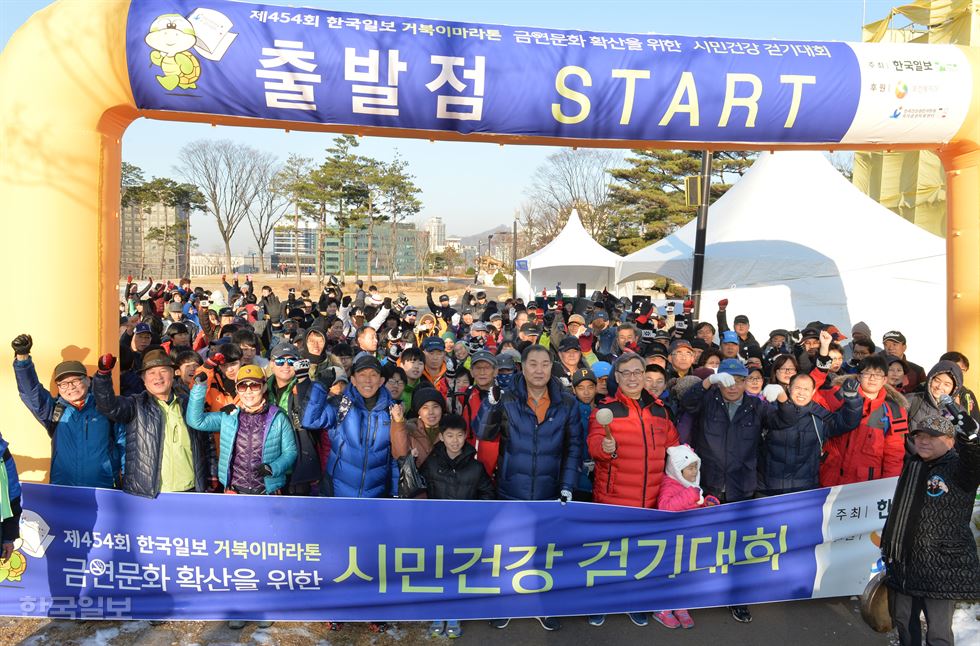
741 614
437 628
638 618
334 625
549 623
597 620
666 618
378 626
684 617
236 625
264 624
453 629
499 623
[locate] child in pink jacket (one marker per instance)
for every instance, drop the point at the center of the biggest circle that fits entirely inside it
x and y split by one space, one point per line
680 491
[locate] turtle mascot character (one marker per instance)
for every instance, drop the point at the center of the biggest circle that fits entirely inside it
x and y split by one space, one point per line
171 36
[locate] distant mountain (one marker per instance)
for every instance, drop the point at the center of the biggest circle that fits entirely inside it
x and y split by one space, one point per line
470 241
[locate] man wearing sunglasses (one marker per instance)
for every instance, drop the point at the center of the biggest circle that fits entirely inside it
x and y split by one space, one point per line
86 448
289 389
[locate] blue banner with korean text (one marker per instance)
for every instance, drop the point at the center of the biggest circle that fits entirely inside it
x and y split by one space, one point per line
325 67
94 553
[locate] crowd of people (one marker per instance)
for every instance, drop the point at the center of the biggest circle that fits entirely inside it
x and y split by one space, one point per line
601 399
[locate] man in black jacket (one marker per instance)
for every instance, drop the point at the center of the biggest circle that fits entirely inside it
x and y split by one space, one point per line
162 454
927 545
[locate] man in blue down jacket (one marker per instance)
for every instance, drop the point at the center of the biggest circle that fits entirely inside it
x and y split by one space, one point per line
359 424
86 448
540 433
539 428
726 434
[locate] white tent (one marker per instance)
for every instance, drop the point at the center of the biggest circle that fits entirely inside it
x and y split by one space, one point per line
793 241
572 257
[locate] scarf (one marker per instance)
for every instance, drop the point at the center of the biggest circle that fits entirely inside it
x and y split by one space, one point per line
906 509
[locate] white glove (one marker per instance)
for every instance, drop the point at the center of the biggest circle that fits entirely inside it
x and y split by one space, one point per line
565 496
772 392
722 378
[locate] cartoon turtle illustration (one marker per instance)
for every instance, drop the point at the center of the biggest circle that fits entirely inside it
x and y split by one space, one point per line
13 568
171 36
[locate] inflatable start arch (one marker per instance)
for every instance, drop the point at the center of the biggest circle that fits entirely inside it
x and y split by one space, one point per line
77 73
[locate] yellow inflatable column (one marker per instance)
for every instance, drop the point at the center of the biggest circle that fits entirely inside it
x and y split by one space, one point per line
64 106
963 256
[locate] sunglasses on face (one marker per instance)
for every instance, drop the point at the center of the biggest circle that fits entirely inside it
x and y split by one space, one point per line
245 386
285 361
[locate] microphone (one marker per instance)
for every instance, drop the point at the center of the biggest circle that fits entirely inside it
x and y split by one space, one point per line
966 426
605 417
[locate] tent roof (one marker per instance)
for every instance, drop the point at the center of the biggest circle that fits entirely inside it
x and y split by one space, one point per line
792 215
573 247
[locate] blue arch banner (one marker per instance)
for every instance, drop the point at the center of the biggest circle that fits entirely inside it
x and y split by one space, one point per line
96 553
305 65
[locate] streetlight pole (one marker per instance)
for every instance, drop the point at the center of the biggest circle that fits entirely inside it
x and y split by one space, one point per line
476 274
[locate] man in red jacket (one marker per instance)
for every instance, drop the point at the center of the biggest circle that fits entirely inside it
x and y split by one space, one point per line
876 448
631 452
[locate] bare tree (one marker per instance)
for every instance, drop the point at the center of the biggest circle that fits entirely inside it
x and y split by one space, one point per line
227 175
270 204
421 254
576 179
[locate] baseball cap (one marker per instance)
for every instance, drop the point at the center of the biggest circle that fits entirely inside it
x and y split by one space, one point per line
66 368
443 298
569 343
483 355
680 343
657 350
531 329
175 307
894 335
142 328
811 333
741 318
733 367
505 361
583 374
250 372
496 316
432 344
576 318
729 337
935 426
366 362
601 369
226 311
600 314
284 350
478 326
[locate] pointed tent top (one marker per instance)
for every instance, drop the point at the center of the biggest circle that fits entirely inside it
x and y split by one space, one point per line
572 247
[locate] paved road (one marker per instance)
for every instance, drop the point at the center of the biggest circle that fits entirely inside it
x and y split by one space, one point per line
835 622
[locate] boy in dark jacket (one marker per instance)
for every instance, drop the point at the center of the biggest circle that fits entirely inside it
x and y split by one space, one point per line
452 472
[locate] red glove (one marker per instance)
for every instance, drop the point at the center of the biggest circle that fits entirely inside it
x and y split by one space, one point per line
223 277
722 304
106 363
711 501
215 360
688 306
129 279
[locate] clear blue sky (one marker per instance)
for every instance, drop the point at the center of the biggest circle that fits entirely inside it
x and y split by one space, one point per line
476 186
